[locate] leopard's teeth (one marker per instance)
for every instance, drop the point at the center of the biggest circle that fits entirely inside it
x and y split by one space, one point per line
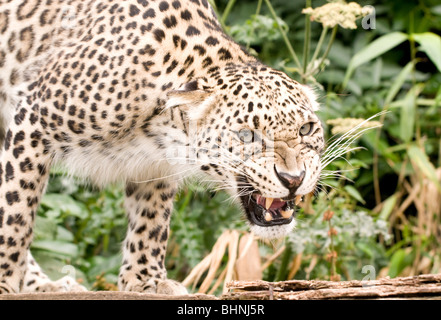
287 214
298 199
268 203
268 217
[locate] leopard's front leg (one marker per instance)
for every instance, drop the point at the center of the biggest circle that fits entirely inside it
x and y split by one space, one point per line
148 206
24 171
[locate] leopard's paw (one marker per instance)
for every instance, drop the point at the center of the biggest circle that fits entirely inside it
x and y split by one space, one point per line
155 286
170 287
6 289
65 284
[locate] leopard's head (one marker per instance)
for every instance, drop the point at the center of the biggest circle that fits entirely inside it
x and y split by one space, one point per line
254 132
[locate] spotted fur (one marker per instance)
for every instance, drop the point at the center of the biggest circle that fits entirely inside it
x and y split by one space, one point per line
145 93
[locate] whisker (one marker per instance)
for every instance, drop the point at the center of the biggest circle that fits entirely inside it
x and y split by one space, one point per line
354 130
163 177
341 145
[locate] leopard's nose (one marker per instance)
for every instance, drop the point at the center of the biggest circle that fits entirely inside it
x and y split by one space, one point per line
292 183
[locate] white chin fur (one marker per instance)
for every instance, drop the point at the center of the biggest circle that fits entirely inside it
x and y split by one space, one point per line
274 232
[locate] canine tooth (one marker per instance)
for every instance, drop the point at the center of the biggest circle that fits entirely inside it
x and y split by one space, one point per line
287 214
298 199
268 216
268 203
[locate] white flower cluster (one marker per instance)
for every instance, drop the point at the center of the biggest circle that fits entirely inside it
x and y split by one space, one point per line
341 13
343 125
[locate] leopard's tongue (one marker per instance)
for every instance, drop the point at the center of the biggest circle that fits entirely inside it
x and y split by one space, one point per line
274 207
270 203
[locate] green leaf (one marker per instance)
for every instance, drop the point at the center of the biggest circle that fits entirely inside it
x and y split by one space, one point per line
398 83
354 193
437 101
103 265
59 247
430 43
66 204
397 264
54 265
388 206
374 50
420 159
64 235
45 228
407 115
381 146
376 72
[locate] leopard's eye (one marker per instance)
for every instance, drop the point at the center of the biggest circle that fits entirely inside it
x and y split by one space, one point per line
306 129
246 135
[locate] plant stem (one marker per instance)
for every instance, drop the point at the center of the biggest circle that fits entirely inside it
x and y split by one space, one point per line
285 38
259 7
439 154
227 11
319 44
330 43
307 42
414 82
281 273
186 201
377 191
333 262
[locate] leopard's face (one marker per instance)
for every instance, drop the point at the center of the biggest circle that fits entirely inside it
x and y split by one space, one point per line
256 135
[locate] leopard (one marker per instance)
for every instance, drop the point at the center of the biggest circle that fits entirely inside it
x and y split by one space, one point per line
146 94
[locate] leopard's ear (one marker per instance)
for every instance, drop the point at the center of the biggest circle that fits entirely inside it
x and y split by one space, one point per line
193 98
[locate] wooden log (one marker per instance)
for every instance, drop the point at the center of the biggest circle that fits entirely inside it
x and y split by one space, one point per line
102 295
421 287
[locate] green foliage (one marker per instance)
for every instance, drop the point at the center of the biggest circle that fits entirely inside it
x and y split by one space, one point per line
355 242
82 227
198 220
372 51
79 226
258 29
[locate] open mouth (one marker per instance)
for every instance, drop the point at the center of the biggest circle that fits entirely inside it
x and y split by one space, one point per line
267 212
